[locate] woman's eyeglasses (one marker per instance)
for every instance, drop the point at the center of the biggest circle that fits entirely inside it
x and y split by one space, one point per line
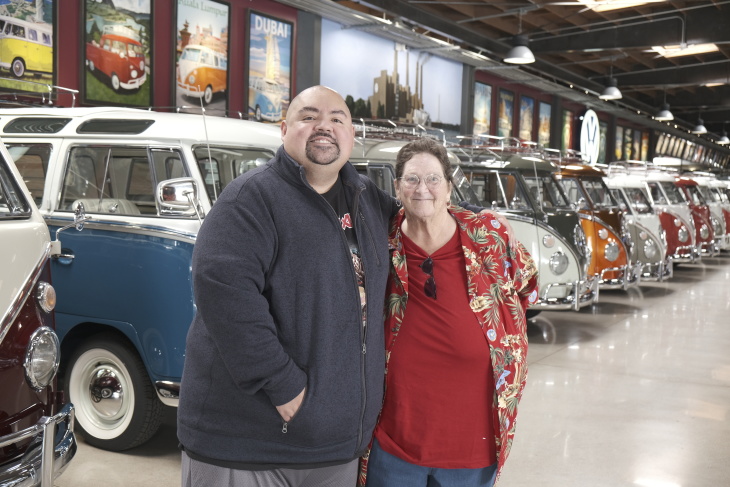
430 287
411 181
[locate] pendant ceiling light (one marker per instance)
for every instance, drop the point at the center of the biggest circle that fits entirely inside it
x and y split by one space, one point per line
664 114
520 53
611 92
723 140
700 127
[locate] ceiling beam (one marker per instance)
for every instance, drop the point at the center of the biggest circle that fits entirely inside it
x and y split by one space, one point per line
700 26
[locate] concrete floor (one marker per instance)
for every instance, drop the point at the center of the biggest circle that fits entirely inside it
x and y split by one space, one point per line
634 391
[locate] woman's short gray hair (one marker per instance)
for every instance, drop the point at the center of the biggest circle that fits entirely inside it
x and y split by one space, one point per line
420 146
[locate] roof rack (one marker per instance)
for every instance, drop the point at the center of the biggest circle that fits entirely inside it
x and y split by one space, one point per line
568 156
30 98
385 129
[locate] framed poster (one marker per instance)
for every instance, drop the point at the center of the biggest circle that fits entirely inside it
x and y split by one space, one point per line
26 46
269 67
506 113
619 143
628 144
527 117
645 146
636 150
201 55
603 134
482 108
117 53
567 129
543 128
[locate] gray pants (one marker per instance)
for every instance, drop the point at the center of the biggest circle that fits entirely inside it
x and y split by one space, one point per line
199 474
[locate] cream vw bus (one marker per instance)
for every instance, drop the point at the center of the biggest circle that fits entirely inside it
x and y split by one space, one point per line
202 72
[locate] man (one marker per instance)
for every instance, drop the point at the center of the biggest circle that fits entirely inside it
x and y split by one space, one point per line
283 376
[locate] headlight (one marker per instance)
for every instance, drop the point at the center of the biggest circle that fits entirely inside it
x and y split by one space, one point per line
46 296
558 263
41 358
650 249
704 231
683 234
611 251
716 226
191 79
579 236
133 74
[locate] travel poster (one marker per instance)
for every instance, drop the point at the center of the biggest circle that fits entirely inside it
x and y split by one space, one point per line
201 56
506 113
527 114
482 108
269 67
543 128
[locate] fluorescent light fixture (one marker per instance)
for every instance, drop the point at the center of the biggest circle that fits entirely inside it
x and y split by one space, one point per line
700 127
520 53
604 5
611 92
680 50
664 114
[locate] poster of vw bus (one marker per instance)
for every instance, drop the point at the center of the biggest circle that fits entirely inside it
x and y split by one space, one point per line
201 55
269 67
117 61
26 45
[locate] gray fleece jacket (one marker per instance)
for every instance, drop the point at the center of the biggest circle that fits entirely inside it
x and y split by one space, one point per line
278 309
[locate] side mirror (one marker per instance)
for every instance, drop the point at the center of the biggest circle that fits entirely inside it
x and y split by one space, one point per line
178 197
80 218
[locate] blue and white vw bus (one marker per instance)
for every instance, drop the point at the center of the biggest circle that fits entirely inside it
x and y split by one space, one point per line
125 299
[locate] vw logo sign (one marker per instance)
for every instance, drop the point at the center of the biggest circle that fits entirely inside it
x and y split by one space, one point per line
590 137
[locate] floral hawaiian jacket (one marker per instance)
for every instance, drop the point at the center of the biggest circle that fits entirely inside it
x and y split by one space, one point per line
502 281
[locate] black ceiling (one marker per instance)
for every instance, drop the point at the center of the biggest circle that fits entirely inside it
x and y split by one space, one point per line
574 44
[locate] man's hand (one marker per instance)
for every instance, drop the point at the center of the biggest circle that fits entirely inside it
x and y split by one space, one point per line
501 219
288 410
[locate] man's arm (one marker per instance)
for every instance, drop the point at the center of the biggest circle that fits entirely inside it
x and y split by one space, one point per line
233 253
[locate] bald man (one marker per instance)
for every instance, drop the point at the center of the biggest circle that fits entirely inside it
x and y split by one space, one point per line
283 377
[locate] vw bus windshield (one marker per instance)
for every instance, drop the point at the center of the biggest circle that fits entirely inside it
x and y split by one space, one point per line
190 55
546 192
707 194
599 194
221 165
463 188
672 192
500 190
638 201
695 195
13 203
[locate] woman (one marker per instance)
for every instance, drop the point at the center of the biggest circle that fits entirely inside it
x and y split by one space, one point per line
455 335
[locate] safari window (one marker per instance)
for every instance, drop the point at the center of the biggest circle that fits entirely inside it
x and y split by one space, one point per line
221 165
12 202
109 179
32 162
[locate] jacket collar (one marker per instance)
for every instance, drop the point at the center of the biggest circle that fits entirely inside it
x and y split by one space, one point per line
294 172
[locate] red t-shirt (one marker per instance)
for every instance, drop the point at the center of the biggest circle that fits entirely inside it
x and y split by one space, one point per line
440 386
